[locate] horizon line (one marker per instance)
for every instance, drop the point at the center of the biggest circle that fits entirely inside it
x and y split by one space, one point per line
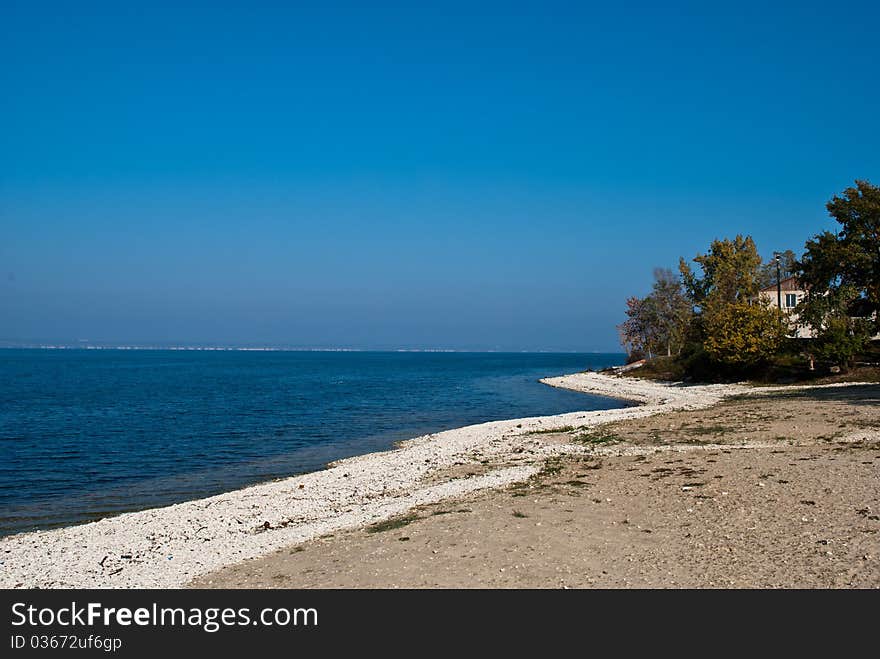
23 345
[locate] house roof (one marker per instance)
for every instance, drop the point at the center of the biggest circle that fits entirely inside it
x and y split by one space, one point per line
787 285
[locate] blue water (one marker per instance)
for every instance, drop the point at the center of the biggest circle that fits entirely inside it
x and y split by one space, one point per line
85 434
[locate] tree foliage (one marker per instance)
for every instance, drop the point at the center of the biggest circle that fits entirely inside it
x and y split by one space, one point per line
731 272
637 331
671 309
839 333
714 315
845 267
841 273
737 330
740 333
658 322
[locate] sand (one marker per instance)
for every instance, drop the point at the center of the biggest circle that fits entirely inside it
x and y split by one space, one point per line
776 490
189 542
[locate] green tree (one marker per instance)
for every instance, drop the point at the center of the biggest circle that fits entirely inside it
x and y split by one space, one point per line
841 271
840 334
731 272
658 322
638 332
672 311
737 330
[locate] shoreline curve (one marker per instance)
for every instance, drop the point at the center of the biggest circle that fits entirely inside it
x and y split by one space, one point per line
168 547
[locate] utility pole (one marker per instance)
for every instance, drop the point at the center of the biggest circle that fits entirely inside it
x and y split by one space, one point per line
778 282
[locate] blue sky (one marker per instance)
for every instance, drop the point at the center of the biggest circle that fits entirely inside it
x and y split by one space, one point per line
474 175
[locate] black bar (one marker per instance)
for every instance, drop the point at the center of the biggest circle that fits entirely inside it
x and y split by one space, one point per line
382 621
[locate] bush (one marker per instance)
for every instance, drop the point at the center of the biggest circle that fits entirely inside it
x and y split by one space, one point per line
842 338
740 335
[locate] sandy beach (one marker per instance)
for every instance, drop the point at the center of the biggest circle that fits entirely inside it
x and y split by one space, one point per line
520 481
780 489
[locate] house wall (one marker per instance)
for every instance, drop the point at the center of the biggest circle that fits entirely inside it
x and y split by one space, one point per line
768 297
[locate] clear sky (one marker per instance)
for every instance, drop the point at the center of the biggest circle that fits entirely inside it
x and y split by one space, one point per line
474 175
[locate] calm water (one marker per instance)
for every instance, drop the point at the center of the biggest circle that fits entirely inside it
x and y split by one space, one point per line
86 434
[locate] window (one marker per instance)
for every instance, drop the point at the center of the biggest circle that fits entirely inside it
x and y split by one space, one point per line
790 300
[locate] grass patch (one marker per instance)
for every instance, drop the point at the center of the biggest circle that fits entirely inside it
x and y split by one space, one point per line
550 431
551 467
393 523
598 438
